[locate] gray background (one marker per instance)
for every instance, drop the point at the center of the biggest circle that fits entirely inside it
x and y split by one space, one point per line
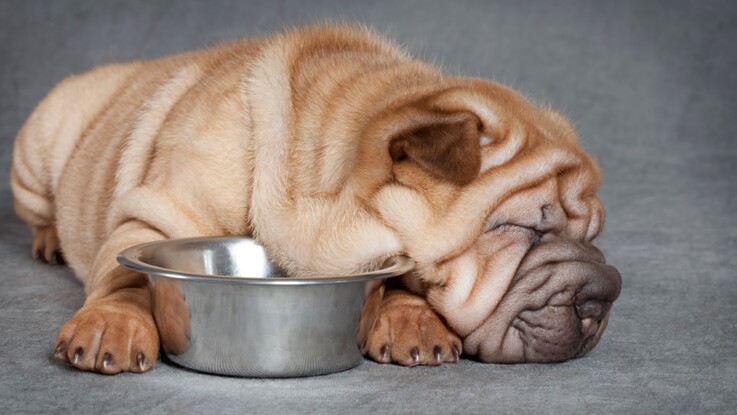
652 89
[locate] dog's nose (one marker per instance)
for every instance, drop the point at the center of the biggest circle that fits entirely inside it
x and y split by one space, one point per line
591 313
590 309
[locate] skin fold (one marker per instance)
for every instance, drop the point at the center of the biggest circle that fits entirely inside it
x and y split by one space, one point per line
336 150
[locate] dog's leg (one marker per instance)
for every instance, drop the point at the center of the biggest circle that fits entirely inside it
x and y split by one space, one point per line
34 204
407 331
115 330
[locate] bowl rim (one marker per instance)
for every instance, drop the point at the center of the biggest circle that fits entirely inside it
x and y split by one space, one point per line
131 258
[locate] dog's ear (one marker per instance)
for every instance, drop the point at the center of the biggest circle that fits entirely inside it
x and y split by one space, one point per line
444 144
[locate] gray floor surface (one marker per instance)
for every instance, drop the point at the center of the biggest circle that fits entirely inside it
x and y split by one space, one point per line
652 89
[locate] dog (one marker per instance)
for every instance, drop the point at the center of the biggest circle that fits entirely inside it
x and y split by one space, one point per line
336 150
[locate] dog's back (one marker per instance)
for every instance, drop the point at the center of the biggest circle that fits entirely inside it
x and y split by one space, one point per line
68 162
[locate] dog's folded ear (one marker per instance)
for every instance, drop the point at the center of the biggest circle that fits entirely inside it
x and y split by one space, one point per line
444 144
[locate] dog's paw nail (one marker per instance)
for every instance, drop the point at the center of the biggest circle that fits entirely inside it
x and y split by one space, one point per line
456 354
77 355
57 258
39 255
107 359
438 352
61 352
141 361
384 352
415 353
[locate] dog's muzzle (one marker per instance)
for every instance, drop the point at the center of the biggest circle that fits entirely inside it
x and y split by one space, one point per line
556 308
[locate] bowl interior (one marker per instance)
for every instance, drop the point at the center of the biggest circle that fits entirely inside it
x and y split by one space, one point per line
228 257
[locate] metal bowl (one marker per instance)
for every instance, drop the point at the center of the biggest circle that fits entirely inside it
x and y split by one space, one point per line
222 307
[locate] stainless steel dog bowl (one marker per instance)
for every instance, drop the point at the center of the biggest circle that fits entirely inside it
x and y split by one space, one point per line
222 307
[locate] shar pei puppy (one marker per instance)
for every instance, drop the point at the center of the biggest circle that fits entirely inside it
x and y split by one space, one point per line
334 149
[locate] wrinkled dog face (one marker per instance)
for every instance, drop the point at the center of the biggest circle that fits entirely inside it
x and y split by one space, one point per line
556 307
505 257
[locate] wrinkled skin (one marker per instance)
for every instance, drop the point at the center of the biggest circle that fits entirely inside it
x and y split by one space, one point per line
556 308
513 273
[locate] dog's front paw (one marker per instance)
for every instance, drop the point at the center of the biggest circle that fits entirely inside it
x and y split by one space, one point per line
109 337
407 331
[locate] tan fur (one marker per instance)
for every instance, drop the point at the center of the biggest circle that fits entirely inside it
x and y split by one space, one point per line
315 142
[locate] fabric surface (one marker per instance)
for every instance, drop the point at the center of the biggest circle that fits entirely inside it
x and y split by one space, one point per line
652 89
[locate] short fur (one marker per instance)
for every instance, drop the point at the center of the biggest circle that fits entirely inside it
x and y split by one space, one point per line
335 150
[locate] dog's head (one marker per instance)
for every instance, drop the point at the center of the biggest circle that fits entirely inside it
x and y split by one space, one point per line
496 202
